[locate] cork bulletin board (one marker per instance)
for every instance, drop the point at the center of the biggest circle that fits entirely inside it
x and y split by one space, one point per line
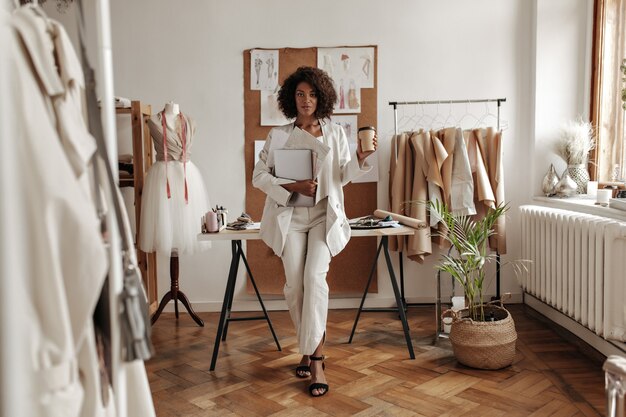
350 269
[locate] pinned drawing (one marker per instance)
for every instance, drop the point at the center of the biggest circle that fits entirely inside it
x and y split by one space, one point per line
328 65
345 61
349 124
348 97
263 69
348 63
350 69
354 97
367 62
270 112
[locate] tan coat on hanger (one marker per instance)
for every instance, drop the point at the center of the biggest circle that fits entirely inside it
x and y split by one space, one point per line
476 148
448 138
397 180
419 245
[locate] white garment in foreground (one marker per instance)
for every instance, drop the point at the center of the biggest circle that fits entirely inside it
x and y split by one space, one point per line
52 258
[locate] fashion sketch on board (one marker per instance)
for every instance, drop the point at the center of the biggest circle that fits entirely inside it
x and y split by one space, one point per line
263 69
348 63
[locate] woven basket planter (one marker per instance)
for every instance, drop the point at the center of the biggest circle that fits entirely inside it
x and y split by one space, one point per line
483 344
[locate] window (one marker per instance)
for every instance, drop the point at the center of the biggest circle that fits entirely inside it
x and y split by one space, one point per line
607 113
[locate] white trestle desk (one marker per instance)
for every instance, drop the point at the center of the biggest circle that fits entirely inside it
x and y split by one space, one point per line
236 236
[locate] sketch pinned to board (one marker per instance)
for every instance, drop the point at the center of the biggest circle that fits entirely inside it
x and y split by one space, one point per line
348 96
350 126
348 63
263 69
351 69
270 112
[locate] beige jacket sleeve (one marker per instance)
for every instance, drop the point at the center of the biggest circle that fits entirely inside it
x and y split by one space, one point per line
264 179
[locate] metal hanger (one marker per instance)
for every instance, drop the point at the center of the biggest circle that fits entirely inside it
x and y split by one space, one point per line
450 120
438 121
468 116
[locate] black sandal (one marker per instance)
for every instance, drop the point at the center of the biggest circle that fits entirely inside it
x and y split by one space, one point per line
318 385
301 369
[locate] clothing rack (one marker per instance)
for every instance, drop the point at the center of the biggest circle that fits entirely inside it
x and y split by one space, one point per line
395 105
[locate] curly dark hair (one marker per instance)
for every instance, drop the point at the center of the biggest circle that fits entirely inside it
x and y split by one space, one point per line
319 81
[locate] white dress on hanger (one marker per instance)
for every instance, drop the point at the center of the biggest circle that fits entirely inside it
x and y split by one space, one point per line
172 222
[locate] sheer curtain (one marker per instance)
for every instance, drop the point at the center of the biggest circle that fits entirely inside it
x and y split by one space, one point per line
611 49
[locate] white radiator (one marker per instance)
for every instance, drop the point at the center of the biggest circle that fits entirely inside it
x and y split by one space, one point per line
578 266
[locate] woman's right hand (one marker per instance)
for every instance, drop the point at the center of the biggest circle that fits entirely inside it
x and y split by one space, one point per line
304 187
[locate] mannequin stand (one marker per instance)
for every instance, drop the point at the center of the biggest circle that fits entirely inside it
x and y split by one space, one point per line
175 294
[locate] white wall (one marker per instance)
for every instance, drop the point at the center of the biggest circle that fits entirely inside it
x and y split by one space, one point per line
563 74
191 52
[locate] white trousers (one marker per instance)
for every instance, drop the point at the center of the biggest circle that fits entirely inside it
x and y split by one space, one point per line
306 259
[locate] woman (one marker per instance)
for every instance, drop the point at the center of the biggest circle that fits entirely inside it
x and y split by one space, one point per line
306 238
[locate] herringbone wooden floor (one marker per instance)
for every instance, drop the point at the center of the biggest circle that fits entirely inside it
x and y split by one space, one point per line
372 376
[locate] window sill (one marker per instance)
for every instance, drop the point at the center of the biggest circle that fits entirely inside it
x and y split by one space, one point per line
581 204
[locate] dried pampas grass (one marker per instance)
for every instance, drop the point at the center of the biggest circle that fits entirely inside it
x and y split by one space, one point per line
575 141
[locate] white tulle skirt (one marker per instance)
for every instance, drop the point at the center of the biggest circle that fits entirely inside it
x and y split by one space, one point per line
169 224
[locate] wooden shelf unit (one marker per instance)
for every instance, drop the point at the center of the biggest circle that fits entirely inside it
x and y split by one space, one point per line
142 161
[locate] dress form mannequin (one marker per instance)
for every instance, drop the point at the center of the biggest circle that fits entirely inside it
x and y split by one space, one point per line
171 110
174 121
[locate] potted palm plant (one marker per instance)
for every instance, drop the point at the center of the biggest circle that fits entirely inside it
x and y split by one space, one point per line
483 334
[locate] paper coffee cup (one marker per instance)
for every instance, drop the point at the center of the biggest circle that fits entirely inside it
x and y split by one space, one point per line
366 137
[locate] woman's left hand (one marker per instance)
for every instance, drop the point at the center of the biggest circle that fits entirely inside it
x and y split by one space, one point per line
362 155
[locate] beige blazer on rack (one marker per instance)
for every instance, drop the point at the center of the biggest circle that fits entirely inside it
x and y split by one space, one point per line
476 148
448 138
419 245
485 155
436 155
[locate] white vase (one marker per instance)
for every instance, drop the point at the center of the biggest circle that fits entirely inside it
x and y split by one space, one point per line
566 187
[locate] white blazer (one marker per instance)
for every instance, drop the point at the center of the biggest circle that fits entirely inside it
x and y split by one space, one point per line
338 168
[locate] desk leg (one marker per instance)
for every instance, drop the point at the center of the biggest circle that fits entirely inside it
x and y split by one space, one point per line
237 254
369 281
401 265
258 296
230 289
405 324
